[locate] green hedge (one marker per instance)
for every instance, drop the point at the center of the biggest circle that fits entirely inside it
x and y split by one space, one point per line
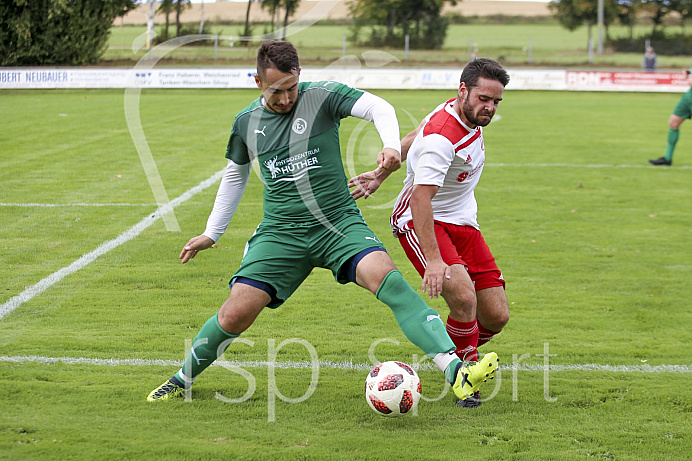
56 32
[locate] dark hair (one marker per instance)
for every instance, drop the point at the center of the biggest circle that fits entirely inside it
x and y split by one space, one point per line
278 55
483 68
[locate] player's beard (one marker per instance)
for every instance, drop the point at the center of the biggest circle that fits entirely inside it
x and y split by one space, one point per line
285 109
475 119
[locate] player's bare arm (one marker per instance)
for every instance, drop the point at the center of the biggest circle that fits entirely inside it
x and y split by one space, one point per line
408 140
436 271
367 183
194 246
382 114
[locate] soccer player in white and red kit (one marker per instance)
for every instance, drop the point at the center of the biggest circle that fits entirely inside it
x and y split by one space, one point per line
435 215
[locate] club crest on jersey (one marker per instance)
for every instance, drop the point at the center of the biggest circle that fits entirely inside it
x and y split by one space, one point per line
299 126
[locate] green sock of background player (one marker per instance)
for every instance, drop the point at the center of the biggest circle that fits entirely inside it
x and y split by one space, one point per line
673 136
420 323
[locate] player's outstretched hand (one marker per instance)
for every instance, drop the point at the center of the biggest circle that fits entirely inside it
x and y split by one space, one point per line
388 161
194 246
367 183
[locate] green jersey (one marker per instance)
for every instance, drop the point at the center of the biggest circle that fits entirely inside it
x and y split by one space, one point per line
298 153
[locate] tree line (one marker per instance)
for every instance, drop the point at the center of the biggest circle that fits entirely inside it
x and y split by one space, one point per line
75 32
56 32
573 14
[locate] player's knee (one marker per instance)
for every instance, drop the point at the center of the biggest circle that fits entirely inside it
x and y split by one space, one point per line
227 319
233 320
497 320
675 122
461 302
501 319
369 268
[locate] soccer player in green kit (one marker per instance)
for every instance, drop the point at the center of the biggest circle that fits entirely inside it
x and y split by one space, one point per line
681 112
310 219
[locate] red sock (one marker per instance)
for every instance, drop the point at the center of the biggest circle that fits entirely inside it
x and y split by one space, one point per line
465 338
485 335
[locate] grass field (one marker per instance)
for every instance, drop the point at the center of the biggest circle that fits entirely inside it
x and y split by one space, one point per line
547 44
593 242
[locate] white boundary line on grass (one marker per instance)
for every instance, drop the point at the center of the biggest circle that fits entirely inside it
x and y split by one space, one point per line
345 365
104 248
573 165
513 165
52 205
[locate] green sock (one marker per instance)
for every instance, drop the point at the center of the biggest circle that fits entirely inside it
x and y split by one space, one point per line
208 345
673 136
420 323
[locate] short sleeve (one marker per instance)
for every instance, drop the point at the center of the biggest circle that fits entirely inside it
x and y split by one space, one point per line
341 98
437 154
237 149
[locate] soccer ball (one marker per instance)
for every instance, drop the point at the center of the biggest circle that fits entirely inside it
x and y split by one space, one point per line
392 389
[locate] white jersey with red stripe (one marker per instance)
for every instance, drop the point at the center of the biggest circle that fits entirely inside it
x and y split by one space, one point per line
449 154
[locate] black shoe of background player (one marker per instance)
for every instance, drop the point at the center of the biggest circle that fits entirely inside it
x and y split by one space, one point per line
473 401
660 161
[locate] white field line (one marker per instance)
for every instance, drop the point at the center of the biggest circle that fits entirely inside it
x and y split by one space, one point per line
104 248
346 365
513 165
53 205
572 165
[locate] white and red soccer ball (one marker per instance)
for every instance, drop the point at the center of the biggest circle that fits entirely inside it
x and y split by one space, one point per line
392 389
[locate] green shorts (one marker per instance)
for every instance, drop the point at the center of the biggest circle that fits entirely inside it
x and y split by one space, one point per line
283 254
683 108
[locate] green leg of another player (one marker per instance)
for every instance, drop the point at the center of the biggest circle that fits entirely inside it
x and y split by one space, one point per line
423 327
208 345
420 323
673 136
